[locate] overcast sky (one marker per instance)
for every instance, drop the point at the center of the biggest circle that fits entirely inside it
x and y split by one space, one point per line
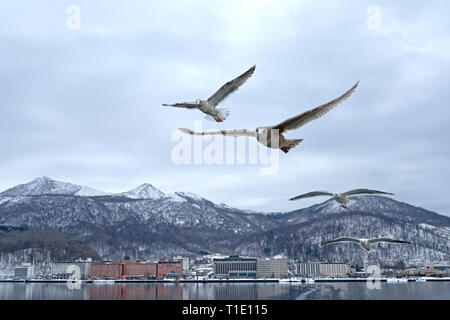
84 105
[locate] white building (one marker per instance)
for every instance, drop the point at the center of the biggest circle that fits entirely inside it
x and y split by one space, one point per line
272 268
317 269
186 263
334 269
24 271
65 269
308 269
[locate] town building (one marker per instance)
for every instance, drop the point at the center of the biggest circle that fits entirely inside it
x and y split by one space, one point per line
334 269
106 270
317 269
65 269
171 268
235 267
308 269
186 263
272 268
137 270
24 271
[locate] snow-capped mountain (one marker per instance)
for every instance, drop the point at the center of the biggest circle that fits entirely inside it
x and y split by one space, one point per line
144 191
147 223
367 203
44 185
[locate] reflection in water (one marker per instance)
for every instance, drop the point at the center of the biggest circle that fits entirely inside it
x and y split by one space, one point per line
224 291
122 291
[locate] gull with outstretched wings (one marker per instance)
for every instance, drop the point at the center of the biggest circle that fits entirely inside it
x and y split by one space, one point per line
340 197
272 136
210 106
365 243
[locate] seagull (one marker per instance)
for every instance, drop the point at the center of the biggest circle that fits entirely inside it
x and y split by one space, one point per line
272 136
210 106
365 243
340 197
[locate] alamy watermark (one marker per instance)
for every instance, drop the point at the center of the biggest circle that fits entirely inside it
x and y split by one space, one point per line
374 17
223 150
74 19
74 280
374 277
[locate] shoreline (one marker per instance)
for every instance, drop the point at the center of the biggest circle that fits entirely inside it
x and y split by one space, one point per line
281 281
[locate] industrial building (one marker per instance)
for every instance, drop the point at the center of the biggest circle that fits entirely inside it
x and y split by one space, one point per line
186 263
308 269
65 269
317 269
235 267
334 269
24 271
106 270
171 268
248 267
272 268
137 270
124 269
120 269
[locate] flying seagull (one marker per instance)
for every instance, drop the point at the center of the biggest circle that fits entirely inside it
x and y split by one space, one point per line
210 106
340 197
272 136
365 243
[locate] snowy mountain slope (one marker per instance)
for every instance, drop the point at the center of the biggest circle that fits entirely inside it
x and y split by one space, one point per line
146 223
144 191
304 240
44 185
367 203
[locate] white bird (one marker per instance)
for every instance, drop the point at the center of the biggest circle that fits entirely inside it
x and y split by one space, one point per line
340 197
272 136
210 106
365 243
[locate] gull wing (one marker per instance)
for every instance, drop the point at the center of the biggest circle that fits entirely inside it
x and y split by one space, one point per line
342 239
230 87
307 116
388 240
312 194
230 133
365 191
187 105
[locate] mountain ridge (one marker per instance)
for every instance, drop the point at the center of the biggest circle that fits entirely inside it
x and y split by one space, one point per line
149 223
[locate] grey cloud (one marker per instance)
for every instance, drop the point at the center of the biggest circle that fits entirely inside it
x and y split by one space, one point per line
85 106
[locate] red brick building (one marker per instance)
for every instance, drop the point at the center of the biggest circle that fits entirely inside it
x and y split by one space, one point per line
139 270
172 268
134 269
106 270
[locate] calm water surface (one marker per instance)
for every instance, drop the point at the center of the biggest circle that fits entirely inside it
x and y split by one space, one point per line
225 291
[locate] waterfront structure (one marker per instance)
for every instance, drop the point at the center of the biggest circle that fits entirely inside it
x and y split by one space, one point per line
442 269
235 267
308 269
272 268
24 271
106 270
334 269
171 268
65 269
317 269
186 263
138 270
124 269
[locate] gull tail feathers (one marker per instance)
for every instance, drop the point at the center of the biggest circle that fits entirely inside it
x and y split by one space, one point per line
291 144
220 115
223 113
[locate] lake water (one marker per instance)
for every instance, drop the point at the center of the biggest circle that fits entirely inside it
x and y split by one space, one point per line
226 291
